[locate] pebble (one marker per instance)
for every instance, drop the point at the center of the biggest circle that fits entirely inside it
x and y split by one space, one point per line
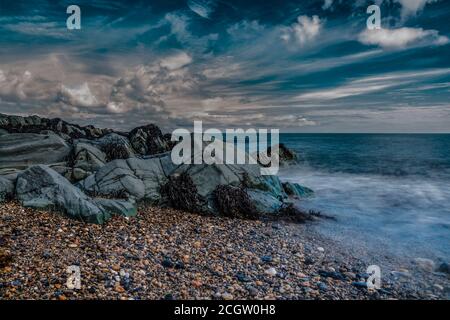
227 296
271 272
320 249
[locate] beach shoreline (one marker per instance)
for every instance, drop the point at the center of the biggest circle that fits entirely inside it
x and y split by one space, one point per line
167 254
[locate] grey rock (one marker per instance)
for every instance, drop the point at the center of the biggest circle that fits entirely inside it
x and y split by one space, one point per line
43 188
264 201
6 189
21 150
136 178
148 140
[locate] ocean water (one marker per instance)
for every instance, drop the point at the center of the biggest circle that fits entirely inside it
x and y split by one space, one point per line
390 191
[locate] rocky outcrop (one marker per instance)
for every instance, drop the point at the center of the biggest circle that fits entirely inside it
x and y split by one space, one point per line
6 189
149 140
135 178
43 188
21 150
35 124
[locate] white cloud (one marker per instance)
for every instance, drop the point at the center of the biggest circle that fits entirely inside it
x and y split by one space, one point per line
327 4
305 30
370 85
78 96
176 61
412 7
401 38
13 85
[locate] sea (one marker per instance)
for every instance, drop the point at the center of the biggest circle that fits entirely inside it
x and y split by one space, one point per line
386 191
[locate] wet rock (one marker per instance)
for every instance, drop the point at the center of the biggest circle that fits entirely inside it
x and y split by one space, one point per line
296 190
444 267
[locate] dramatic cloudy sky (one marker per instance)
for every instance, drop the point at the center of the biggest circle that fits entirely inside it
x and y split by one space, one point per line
301 66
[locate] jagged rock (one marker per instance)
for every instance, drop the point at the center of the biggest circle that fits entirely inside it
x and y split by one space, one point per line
21 150
148 140
296 190
6 189
136 178
35 124
43 188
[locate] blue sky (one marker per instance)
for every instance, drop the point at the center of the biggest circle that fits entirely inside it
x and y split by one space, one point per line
300 66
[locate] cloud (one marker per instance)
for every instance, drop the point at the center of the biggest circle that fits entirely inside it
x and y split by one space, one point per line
204 8
327 4
369 85
176 61
412 7
305 30
13 85
78 96
401 38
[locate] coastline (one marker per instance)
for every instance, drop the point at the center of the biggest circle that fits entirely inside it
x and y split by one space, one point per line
168 254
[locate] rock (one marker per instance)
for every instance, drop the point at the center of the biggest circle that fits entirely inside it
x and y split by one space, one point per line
118 207
285 155
320 249
444 267
425 264
271 272
6 189
296 190
266 259
35 124
41 187
227 296
115 147
264 202
87 159
135 178
21 150
148 140
330 274
360 284
242 277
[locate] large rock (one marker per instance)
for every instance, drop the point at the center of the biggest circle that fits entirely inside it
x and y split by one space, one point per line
21 150
6 189
264 202
43 188
149 140
285 155
136 178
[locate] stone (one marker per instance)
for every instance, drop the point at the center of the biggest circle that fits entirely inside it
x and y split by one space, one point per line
296 190
444 267
21 150
425 264
43 188
134 178
6 189
148 140
271 272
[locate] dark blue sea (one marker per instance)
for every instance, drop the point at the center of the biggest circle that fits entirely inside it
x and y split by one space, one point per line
386 190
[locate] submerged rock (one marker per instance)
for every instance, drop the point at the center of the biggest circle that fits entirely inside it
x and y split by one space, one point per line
43 188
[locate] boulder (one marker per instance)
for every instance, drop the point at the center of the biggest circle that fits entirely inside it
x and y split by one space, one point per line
286 156
296 190
135 178
43 188
6 189
264 202
149 140
21 150
115 147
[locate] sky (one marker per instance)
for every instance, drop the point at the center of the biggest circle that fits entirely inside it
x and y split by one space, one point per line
298 66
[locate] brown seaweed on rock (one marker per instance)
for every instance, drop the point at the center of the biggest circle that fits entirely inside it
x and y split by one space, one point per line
234 202
180 193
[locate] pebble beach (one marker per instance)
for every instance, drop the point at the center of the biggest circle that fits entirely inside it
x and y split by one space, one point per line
168 254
